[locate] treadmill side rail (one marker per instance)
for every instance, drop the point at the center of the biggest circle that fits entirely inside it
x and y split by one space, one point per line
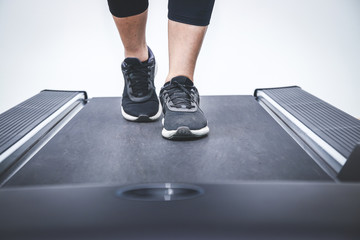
23 125
329 132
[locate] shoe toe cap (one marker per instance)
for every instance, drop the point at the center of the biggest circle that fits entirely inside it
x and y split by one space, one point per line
149 108
193 121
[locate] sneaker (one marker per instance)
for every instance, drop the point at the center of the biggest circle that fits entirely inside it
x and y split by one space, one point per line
139 99
183 118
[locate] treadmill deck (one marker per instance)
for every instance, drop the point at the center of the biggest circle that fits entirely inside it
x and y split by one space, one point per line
99 146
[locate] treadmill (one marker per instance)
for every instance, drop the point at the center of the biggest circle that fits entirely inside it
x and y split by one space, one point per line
278 164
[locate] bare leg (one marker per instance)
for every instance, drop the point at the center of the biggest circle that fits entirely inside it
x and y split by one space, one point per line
132 32
184 46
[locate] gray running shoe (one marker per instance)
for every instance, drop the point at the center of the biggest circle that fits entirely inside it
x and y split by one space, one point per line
183 118
139 99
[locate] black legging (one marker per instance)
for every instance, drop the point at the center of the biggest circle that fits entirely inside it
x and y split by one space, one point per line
193 12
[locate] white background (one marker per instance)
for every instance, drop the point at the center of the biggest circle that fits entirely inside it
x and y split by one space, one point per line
74 45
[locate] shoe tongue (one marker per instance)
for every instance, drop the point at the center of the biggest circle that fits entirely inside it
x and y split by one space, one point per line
132 61
182 80
180 96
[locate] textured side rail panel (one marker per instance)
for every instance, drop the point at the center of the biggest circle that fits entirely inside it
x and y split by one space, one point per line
23 118
336 127
333 126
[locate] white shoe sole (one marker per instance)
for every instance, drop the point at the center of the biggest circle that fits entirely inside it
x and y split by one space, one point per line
184 132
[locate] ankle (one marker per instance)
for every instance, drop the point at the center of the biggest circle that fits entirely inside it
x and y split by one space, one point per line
141 53
171 76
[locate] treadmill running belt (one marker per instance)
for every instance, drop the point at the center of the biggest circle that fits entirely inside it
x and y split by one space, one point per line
99 146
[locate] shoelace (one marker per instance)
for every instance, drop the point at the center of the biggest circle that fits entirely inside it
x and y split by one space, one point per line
180 96
137 75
